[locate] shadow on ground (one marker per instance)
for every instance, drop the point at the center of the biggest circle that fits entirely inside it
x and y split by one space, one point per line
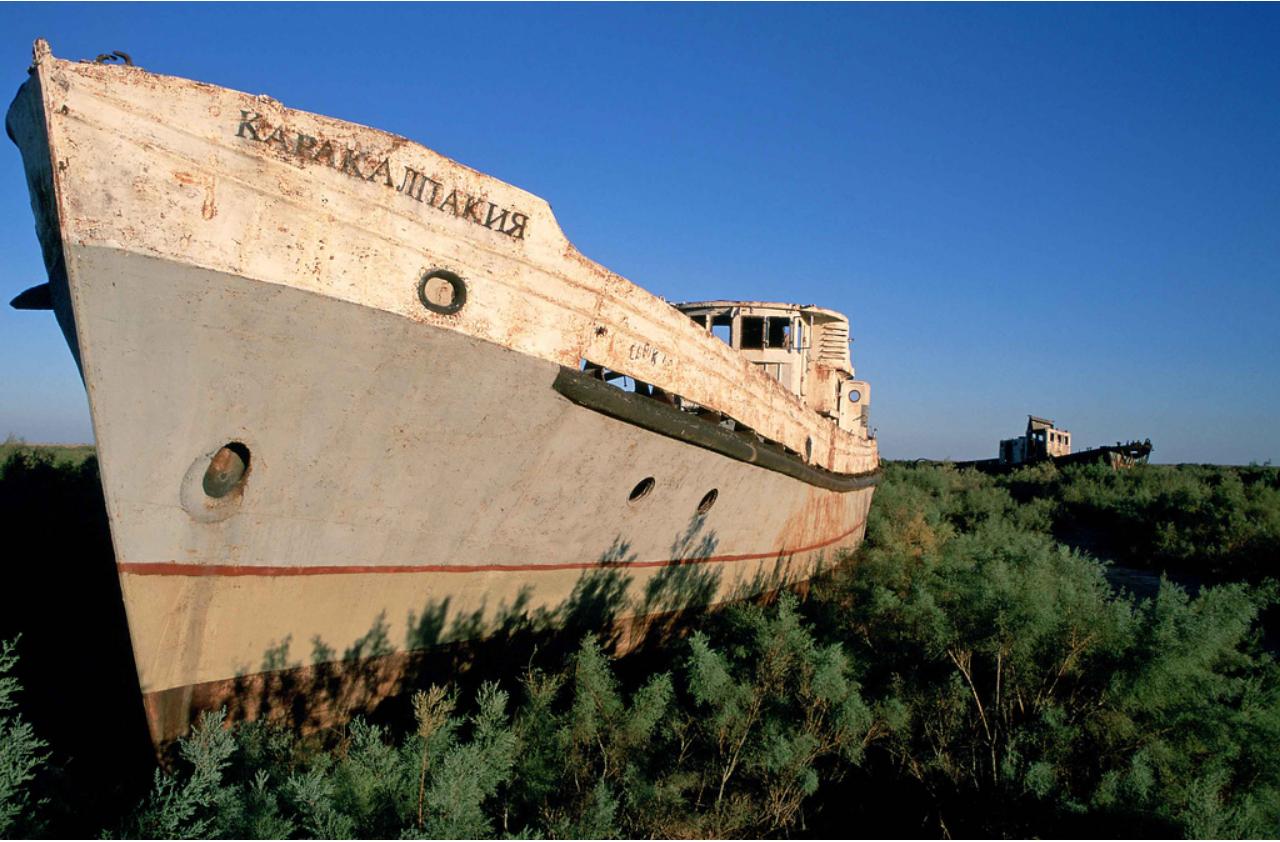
80 690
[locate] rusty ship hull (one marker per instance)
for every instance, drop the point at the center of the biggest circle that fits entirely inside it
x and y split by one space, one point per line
312 456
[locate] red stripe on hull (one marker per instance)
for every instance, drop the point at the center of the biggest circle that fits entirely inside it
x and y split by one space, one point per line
171 568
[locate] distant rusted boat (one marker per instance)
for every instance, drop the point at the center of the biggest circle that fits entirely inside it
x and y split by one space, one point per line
354 398
1044 442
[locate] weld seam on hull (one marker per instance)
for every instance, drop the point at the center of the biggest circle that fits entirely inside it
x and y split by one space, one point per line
184 569
586 391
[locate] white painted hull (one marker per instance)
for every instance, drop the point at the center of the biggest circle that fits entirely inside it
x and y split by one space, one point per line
404 464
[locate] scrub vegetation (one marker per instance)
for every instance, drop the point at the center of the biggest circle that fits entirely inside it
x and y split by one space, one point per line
70 455
971 671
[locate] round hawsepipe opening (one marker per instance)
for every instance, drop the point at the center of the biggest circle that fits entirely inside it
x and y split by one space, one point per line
227 470
708 500
442 291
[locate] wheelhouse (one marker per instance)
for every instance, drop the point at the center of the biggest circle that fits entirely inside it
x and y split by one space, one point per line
804 348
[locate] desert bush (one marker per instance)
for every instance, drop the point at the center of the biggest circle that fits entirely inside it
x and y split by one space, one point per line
766 709
1035 697
22 755
964 673
1219 522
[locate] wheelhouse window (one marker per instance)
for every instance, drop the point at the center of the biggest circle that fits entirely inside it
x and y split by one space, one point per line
780 332
722 328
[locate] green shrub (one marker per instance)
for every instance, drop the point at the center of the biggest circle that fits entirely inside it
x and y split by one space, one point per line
964 673
198 804
1034 696
22 756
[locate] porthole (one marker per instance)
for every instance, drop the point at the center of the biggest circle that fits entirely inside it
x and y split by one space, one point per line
642 489
708 500
227 470
442 291
855 395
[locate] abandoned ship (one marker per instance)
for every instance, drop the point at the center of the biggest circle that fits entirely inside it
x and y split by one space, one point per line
1043 441
339 382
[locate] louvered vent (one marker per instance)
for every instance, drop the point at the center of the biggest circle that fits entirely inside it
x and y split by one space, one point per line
833 344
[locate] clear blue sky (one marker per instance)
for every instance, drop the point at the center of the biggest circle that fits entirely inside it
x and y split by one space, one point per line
1066 210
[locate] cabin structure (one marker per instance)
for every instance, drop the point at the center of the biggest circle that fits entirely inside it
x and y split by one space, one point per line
1041 441
805 348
